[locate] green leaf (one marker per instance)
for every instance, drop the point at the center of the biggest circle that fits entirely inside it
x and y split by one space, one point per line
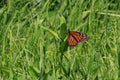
63 34
63 46
63 31
52 32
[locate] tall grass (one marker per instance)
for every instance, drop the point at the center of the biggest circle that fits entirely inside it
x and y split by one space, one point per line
33 37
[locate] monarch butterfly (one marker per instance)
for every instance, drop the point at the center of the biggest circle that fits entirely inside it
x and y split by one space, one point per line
75 37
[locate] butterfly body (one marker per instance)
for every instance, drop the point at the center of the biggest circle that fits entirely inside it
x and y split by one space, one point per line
75 37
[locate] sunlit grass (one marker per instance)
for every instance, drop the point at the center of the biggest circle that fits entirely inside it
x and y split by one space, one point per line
33 40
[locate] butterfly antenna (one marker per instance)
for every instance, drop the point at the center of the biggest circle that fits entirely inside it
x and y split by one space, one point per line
68 30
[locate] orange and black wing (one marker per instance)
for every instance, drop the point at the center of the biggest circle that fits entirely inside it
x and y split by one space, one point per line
75 37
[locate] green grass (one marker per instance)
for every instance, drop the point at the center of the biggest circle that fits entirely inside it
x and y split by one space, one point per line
33 37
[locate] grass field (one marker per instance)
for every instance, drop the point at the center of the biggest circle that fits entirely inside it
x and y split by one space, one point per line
33 37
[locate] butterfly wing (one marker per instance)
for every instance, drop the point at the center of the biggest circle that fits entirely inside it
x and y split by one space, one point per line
72 41
75 37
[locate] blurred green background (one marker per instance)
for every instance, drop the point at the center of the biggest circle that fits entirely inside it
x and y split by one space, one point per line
33 40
